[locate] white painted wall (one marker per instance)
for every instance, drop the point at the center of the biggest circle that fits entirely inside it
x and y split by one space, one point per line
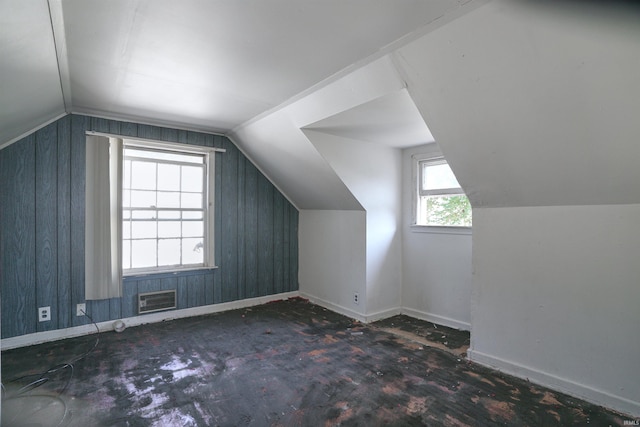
332 259
436 267
373 174
426 275
277 144
533 105
556 298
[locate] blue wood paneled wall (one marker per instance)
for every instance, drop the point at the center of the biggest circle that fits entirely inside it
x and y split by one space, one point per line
42 181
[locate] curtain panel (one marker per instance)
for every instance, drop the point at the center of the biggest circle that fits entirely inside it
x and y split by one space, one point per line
103 218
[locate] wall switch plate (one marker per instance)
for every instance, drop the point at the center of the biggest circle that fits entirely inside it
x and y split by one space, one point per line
81 309
44 314
356 298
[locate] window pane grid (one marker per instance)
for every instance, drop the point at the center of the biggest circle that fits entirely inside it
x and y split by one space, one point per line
441 191
163 209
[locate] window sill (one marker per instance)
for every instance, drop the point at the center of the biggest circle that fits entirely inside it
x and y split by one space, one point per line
434 229
168 273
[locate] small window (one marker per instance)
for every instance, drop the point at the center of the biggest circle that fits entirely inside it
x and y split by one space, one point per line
165 215
440 200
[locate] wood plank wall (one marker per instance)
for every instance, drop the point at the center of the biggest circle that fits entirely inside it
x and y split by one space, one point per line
42 180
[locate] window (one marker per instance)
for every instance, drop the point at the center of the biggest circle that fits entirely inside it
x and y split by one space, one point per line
148 208
165 219
440 200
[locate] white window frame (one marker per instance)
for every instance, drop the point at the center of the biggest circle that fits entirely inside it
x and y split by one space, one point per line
209 184
209 218
417 192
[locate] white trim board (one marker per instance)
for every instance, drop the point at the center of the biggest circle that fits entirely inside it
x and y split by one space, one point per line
563 385
32 131
374 317
58 334
153 143
384 314
334 307
437 319
364 318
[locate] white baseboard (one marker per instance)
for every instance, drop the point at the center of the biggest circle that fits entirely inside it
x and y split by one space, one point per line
374 317
334 307
364 318
40 337
439 320
581 391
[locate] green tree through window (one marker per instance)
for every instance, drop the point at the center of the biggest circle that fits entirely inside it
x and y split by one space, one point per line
449 211
441 201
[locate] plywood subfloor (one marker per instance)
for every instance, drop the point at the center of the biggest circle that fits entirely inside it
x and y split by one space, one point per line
288 363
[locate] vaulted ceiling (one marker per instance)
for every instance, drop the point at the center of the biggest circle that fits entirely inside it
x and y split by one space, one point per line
526 99
206 65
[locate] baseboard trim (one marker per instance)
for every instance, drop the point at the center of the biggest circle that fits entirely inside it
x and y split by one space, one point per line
373 317
364 318
439 320
384 314
58 334
581 391
334 307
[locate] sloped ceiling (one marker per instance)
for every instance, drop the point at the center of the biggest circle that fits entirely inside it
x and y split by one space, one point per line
278 142
391 120
533 103
30 90
205 65
215 66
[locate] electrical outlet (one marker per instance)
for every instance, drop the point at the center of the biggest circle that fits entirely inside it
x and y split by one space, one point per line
356 298
44 314
81 309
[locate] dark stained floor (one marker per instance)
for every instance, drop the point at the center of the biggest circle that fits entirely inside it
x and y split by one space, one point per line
287 363
427 333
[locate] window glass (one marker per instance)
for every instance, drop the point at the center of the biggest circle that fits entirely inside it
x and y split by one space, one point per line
143 176
191 200
435 177
191 179
169 252
164 208
168 177
440 199
143 253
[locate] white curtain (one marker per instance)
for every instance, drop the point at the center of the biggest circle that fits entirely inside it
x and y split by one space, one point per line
103 218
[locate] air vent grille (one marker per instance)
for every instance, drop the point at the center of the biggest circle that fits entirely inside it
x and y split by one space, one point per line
156 301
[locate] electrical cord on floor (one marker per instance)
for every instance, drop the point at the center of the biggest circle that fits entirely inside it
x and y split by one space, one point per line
44 377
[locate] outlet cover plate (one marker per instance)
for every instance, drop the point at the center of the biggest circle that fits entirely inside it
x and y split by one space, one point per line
81 309
44 314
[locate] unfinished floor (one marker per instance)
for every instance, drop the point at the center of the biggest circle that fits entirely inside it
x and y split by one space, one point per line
287 363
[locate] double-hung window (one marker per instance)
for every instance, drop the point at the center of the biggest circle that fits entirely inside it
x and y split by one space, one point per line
165 199
149 208
440 199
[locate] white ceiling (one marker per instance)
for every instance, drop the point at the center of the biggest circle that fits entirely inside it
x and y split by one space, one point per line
196 64
524 100
391 120
30 92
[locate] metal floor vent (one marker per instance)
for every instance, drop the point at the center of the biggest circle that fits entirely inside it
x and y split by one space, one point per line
156 301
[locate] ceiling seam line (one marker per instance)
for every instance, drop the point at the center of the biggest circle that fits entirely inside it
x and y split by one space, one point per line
67 109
